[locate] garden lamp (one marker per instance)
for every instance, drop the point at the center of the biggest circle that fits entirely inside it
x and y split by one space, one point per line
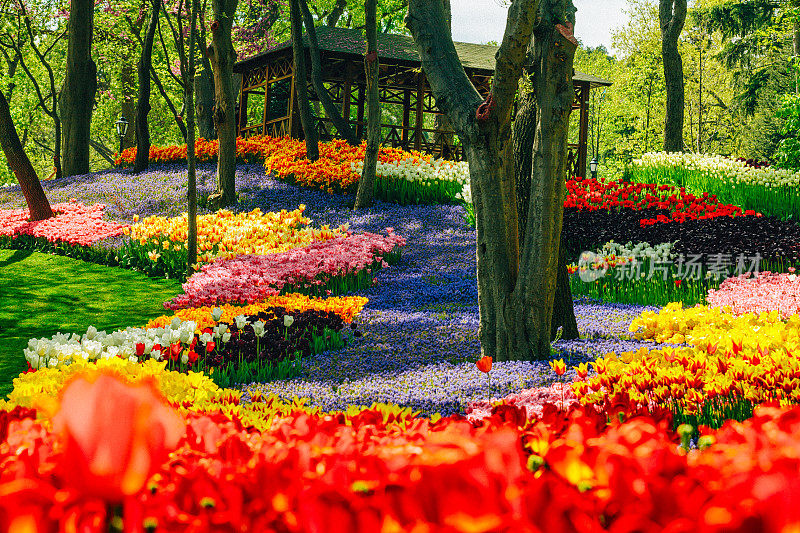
593 167
122 130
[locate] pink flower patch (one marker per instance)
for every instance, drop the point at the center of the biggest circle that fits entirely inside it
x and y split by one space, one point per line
252 278
74 223
766 292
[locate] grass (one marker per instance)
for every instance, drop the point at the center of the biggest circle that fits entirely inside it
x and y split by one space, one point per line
42 294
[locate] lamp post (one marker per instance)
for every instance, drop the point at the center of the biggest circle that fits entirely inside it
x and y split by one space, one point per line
122 130
593 167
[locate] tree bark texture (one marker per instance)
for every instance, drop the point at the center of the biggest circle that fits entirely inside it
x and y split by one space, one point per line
366 185
301 83
524 134
204 102
672 16
223 56
143 98
188 92
38 205
128 83
80 86
515 288
531 309
342 126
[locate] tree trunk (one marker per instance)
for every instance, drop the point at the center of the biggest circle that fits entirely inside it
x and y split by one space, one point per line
128 83
38 205
188 95
143 100
80 86
524 133
672 16
204 103
301 83
337 12
342 126
223 56
515 290
563 307
366 185
531 306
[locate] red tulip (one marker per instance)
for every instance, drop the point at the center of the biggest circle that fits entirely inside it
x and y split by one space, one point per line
116 435
484 364
210 345
139 349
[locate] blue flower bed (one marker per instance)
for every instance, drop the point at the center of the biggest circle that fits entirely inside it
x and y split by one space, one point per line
420 328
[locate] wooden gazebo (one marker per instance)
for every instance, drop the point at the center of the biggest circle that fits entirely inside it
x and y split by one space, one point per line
267 100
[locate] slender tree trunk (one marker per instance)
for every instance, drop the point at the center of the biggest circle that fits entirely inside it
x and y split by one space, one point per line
222 57
38 205
80 86
672 16
128 85
143 100
188 96
301 83
342 126
366 185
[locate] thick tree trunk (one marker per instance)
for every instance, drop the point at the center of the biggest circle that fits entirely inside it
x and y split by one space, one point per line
223 56
80 86
672 16
530 311
342 126
524 134
336 13
301 83
143 100
366 185
38 205
204 103
515 290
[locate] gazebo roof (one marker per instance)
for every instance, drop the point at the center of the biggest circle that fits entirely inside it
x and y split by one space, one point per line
400 48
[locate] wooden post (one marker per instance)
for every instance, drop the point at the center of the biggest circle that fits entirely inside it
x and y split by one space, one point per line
242 111
360 116
420 102
292 96
584 130
348 81
406 116
266 101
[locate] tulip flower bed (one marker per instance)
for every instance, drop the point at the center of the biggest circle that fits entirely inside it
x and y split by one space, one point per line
261 347
346 307
380 469
733 363
763 293
158 245
769 190
74 224
334 266
248 150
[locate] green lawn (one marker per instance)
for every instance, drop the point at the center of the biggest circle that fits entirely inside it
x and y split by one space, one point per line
43 294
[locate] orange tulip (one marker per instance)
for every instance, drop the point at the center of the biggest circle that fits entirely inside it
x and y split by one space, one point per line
484 364
116 435
559 367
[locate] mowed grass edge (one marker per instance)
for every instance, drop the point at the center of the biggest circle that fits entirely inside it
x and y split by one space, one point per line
41 295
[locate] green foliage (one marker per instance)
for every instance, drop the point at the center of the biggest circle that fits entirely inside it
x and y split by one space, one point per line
788 153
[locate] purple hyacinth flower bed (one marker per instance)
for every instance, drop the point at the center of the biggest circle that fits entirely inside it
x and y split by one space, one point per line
419 331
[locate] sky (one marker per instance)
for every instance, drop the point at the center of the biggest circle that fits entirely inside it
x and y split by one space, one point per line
480 21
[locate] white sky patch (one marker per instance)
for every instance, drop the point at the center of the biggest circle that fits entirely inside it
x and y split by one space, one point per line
481 21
